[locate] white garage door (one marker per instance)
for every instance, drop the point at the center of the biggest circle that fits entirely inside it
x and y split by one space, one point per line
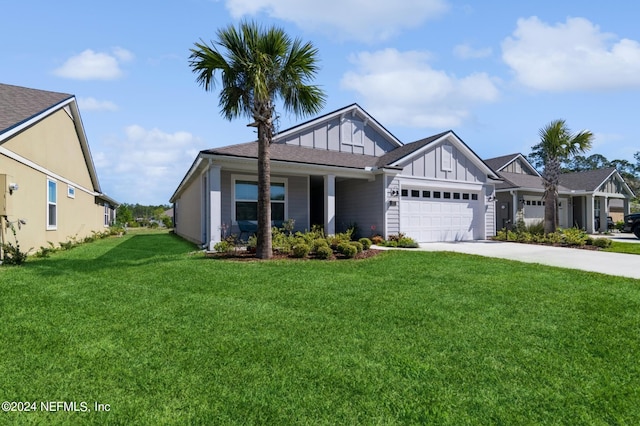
428 215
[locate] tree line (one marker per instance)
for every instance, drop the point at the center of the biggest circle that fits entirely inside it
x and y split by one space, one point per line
142 215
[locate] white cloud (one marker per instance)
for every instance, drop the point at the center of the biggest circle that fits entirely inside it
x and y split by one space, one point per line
575 55
466 51
92 104
145 164
402 88
90 65
349 19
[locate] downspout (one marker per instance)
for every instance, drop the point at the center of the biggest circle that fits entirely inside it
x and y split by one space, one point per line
2 238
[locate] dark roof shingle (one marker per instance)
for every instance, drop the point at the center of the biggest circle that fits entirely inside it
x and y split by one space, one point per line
19 104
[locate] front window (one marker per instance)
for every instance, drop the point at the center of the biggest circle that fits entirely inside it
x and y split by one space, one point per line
107 215
246 200
52 204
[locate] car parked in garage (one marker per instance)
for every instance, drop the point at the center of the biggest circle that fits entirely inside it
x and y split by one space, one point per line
632 224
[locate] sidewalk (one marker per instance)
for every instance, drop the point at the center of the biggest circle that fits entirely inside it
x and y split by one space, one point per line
620 264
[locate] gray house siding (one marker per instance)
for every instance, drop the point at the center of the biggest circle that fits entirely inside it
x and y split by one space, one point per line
393 208
518 166
431 165
297 200
348 134
360 202
612 186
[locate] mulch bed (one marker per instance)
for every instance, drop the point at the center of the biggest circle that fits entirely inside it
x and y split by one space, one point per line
244 255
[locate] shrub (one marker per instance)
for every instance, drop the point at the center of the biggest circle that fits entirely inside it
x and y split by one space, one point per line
524 237
358 245
45 252
377 240
574 237
318 243
553 238
347 250
223 247
601 242
300 250
324 252
366 243
407 242
536 228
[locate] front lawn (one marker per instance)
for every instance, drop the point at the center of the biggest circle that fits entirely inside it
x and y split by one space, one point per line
159 334
618 247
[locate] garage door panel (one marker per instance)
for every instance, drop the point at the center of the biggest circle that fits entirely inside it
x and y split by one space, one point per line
438 220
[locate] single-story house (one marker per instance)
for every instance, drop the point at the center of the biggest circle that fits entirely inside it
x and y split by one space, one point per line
583 197
49 189
339 170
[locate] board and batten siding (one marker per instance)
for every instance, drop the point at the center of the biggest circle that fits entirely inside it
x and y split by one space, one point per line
489 213
612 186
348 134
392 210
360 202
431 165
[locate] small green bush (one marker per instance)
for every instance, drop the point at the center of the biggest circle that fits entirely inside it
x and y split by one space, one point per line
358 245
574 237
324 252
407 242
601 242
223 247
366 243
300 250
348 250
318 243
553 238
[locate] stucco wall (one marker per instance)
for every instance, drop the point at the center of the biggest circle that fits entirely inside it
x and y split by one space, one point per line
188 212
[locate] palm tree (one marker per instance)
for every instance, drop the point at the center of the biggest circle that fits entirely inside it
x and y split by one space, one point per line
257 67
557 144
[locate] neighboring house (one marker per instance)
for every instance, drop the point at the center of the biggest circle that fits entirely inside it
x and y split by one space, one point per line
49 186
583 197
339 170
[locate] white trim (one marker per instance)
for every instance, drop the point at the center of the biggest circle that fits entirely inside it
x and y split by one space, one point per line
49 203
254 178
71 191
35 119
45 171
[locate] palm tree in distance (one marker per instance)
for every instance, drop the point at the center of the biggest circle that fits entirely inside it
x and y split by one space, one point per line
257 67
557 144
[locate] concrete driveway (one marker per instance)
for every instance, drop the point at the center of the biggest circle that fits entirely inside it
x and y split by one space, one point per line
624 265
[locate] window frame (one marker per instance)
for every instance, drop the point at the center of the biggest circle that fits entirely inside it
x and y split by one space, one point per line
52 226
254 179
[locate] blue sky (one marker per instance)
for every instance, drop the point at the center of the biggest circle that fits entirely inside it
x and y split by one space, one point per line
494 71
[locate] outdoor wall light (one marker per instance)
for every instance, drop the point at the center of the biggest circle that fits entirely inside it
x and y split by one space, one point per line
13 187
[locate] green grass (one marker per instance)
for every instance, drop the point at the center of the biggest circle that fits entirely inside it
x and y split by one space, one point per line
166 336
618 247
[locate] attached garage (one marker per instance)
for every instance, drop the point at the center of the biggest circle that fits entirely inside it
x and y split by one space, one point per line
428 215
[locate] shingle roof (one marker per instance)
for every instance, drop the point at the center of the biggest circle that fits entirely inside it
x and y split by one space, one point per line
522 181
298 154
588 180
19 104
401 152
497 163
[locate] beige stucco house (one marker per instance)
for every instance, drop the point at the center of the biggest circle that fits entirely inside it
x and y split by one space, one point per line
49 189
339 170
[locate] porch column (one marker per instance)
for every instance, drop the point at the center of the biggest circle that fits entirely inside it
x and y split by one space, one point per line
604 213
330 204
626 207
590 216
215 206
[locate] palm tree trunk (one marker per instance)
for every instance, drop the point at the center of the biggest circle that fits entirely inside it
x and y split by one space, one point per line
549 211
264 246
